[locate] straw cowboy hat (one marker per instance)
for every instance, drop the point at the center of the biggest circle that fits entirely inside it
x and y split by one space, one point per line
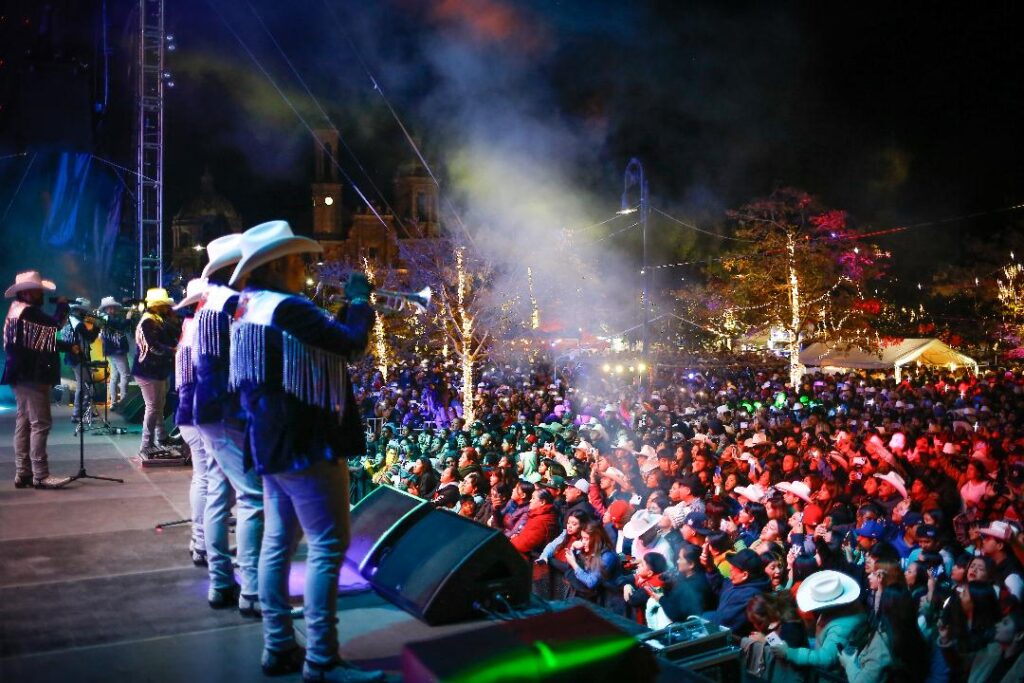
158 296
30 279
826 588
223 251
896 481
110 302
266 242
193 292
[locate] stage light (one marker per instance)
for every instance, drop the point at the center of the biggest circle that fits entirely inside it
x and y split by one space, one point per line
606 367
642 367
618 369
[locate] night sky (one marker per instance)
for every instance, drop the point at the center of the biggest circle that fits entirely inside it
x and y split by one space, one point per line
901 115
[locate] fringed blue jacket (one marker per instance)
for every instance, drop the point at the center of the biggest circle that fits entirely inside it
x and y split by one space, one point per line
288 364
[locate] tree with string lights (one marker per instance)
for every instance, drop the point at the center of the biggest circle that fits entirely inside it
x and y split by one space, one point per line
467 312
800 268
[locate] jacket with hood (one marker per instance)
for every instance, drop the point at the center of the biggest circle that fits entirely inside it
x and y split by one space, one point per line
732 604
541 526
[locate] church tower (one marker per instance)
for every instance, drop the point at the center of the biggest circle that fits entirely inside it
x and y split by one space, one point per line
326 188
416 201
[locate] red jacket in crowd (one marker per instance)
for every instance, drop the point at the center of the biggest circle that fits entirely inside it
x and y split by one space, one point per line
541 527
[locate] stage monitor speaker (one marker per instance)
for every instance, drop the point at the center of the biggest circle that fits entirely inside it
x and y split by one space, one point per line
132 407
384 514
444 564
570 645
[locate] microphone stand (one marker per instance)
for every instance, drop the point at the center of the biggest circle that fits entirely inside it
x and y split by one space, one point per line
82 474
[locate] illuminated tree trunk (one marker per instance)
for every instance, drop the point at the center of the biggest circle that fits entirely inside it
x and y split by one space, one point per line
467 341
796 369
379 338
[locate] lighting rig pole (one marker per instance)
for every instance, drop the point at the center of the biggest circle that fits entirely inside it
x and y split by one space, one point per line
634 177
149 145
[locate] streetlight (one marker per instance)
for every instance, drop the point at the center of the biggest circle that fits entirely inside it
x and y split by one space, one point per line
634 177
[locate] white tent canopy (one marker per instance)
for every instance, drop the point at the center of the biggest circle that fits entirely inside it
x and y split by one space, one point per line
924 351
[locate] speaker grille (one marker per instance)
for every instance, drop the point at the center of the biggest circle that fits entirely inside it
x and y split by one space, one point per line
433 549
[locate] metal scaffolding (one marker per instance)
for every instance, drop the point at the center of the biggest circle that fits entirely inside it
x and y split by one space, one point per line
149 180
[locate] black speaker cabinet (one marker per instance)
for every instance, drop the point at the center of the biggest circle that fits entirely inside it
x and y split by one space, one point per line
383 514
443 563
132 407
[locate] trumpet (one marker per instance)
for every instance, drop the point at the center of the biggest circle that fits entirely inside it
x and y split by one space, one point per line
387 301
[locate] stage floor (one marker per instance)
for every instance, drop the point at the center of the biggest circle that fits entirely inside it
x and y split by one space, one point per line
89 591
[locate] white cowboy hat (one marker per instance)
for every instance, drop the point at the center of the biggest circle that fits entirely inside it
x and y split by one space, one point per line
647 451
896 481
753 493
110 302
265 242
797 488
649 467
826 588
640 523
583 485
998 529
223 251
193 292
156 296
840 459
616 475
758 439
30 279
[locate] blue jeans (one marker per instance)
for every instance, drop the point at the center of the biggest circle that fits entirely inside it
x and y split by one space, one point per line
313 502
225 475
197 491
117 384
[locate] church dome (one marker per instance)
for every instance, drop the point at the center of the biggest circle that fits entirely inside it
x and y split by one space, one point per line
210 211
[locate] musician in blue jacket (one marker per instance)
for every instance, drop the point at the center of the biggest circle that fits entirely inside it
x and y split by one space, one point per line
288 361
219 419
117 328
32 368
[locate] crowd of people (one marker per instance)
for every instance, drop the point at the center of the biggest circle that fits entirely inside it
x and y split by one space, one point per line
853 523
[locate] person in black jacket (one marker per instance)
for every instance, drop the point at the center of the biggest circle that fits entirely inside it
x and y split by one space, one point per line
288 363
32 367
155 339
82 332
746 579
117 328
